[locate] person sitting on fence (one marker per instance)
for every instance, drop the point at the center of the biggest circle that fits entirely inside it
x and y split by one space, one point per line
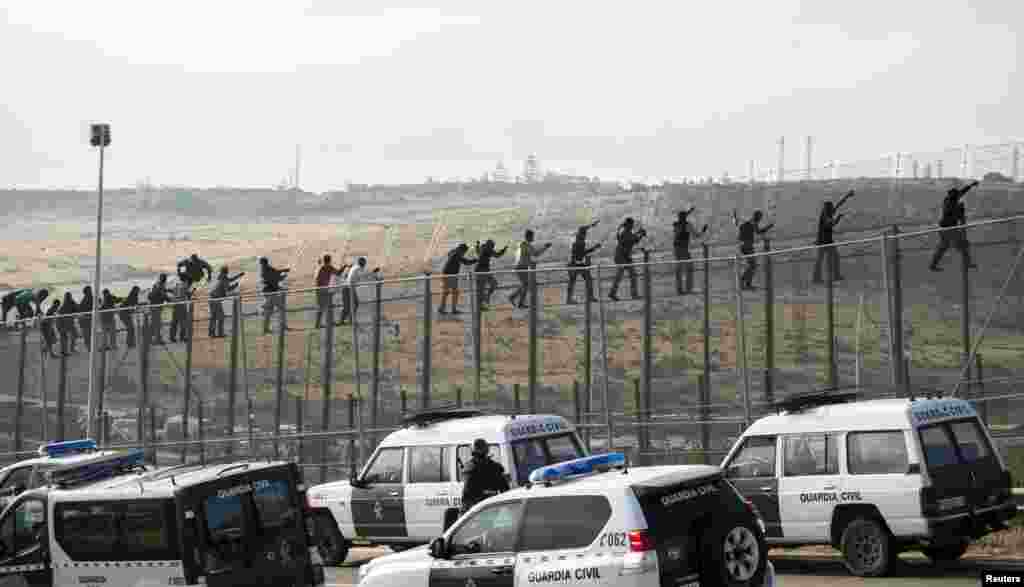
107 322
126 314
85 318
526 260
158 295
682 231
66 325
324 295
193 270
47 327
23 300
827 221
179 311
450 284
953 214
486 283
748 231
626 239
223 287
273 293
579 263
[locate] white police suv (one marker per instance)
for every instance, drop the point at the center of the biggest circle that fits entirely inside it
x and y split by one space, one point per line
411 488
873 478
594 522
106 520
31 473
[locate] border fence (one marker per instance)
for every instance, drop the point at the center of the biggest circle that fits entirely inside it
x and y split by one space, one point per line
672 376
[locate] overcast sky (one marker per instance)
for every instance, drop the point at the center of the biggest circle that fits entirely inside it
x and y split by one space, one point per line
219 93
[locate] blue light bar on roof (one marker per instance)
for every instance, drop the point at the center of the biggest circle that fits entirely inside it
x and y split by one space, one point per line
102 467
70 447
582 466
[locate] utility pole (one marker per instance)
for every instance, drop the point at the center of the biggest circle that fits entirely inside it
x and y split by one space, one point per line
100 137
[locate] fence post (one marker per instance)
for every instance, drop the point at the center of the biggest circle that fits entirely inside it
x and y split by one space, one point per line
477 327
360 436
576 404
402 396
279 395
532 337
707 315
152 435
896 319
351 437
769 326
375 385
604 362
965 315
425 344
106 428
188 380
587 349
647 348
299 428
639 416
62 394
980 378
705 415
44 356
202 431
326 377
458 396
19 410
515 398
236 329
830 311
143 400
741 336
101 383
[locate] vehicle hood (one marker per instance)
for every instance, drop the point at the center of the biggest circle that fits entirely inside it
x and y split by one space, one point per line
420 553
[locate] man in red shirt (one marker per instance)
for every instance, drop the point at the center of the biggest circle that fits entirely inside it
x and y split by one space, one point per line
323 281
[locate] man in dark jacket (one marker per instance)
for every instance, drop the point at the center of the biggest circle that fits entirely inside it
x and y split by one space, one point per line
47 325
180 325
222 288
450 284
273 293
481 476
953 214
627 239
66 325
486 283
158 295
826 223
682 231
579 263
85 319
191 270
748 232
125 313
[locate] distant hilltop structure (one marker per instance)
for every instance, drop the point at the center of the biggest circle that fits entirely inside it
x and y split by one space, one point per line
531 170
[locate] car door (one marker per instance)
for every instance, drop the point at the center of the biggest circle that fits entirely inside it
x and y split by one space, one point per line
752 470
481 549
982 464
378 508
809 486
16 481
25 544
429 491
556 542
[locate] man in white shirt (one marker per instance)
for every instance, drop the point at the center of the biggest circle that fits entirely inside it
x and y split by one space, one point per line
349 298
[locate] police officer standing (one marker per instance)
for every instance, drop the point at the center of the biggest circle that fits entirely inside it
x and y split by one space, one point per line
482 477
953 214
682 231
748 232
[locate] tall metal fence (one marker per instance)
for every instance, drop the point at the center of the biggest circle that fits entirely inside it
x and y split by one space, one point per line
673 369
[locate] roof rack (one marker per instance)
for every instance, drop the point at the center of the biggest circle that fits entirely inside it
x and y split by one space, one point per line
798 402
440 414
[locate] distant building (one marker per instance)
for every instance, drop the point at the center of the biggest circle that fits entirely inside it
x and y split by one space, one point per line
531 170
500 173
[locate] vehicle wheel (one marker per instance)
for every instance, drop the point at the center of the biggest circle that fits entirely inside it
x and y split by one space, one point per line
331 545
734 554
867 547
946 553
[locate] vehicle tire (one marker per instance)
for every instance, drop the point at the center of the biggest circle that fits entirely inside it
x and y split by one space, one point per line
868 549
331 545
734 554
946 553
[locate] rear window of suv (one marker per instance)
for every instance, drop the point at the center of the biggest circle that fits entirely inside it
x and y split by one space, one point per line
560 522
941 441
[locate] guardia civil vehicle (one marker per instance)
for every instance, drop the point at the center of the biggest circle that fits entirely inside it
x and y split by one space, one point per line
411 488
31 473
873 478
595 522
106 520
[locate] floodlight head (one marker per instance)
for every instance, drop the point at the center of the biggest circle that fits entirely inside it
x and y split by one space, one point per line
100 135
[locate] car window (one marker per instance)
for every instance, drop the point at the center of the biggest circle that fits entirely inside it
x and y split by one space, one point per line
810 454
24 528
463 454
571 521
274 505
492 529
756 458
386 467
563 448
972 442
938 446
135 530
428 464
19 477
225 534
529 455
876 453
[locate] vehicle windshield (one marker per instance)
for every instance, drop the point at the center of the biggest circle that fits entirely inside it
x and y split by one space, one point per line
533 453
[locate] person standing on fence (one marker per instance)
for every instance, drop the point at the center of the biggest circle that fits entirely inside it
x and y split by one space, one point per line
179 311
486 282
191 270
626 239
107 321
324 295
66 325
223 287
450 284
158 296
526 259
482 476
579 263
748 233
46 326
23 300
273 293
85 319
682 232
953 214
349 295
126 313
827 221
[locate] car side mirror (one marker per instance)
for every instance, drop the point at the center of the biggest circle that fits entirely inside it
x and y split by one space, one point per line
358 482
438 548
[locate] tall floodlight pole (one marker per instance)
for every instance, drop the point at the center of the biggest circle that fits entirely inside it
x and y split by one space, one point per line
100 138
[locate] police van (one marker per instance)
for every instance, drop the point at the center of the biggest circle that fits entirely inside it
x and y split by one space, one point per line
106 520
594 522
411 488
873 478
31 473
